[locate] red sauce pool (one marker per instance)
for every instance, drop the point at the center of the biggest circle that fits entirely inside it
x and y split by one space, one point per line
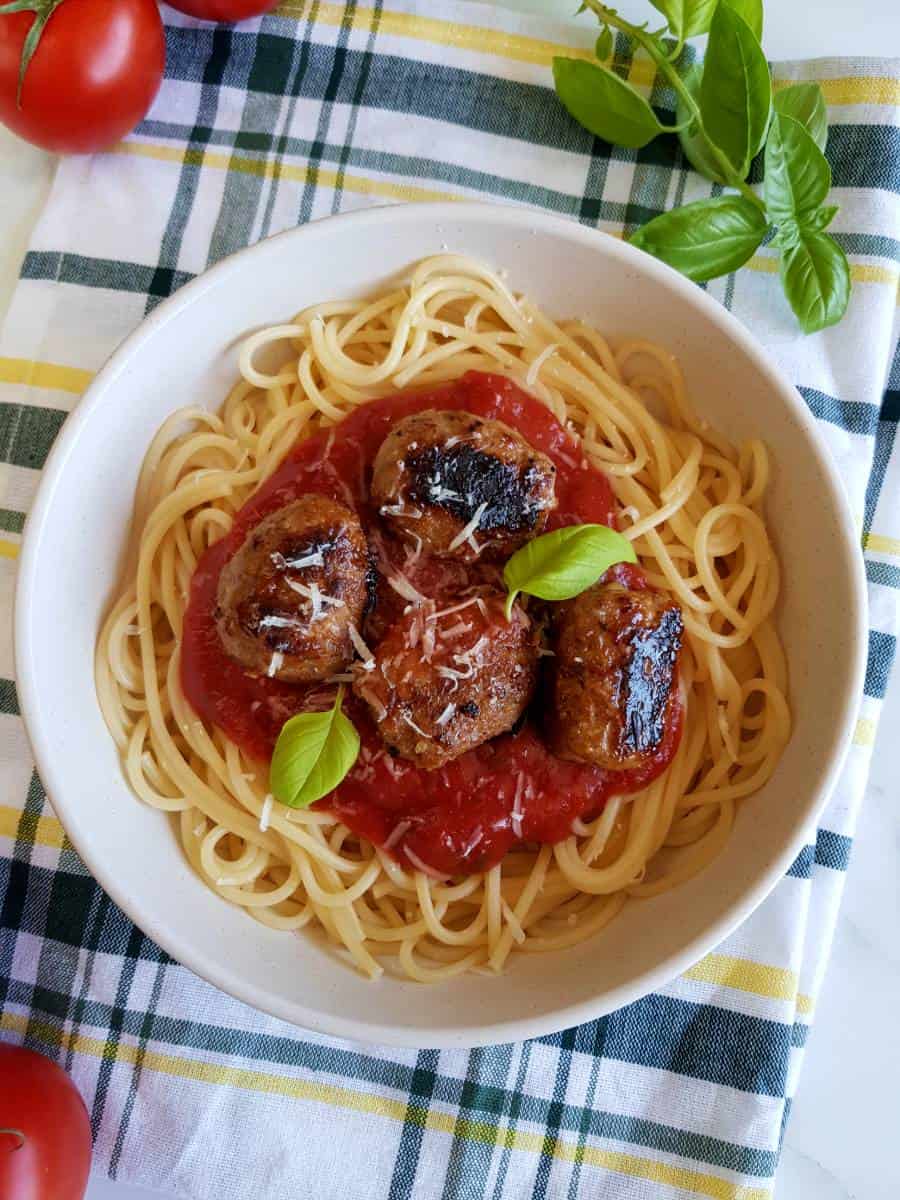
463 817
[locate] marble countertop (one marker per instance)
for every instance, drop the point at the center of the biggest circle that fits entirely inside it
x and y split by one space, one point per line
842 1133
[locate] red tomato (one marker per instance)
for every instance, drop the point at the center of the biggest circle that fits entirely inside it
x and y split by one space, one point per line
45 1134
96 70
223 10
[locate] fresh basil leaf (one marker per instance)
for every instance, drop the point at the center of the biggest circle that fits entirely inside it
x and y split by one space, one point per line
752 12
736 90
694 145
686 18
313 753
815 275
564 563
604 47
798 176
821 218
806 104
705 239
605 104
787 234
689 18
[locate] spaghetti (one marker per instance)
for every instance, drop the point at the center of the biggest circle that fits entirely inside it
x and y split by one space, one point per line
690 502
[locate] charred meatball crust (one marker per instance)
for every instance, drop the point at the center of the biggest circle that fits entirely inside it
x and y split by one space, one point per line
613 676
288 596
437 471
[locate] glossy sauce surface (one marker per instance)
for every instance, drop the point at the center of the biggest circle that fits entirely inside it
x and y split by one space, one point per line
465 816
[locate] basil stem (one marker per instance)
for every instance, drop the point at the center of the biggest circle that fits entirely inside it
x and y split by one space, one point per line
645 39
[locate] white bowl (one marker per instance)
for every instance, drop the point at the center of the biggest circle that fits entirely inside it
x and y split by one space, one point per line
185 354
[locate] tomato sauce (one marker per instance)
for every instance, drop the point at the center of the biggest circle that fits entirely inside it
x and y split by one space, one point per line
466 815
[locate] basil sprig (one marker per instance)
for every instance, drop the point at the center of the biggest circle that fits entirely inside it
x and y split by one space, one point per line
725 113
313 753
564 563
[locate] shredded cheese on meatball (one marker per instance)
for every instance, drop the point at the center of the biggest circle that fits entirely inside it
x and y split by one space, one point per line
361 648
469 529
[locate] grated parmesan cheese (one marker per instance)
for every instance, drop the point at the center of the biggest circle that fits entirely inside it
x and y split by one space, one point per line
428 642
329 443
391 767
316 597
272 621
438 493
455 631
411 723
473 652
361 648
475 840
315 559
468 530
446 715
404 588
516 814
452 673
413 556
400 510
374 701
266 813
445 612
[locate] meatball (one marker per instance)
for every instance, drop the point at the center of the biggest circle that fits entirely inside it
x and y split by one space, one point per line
442 682
613 677
465 485
289 596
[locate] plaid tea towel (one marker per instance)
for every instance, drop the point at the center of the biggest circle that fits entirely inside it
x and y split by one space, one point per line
318 109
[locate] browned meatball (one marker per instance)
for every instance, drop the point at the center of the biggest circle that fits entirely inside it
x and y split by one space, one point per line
466 486
443 683
612 679
289 595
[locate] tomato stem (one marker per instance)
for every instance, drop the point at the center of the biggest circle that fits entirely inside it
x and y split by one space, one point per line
16 1133
43 10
